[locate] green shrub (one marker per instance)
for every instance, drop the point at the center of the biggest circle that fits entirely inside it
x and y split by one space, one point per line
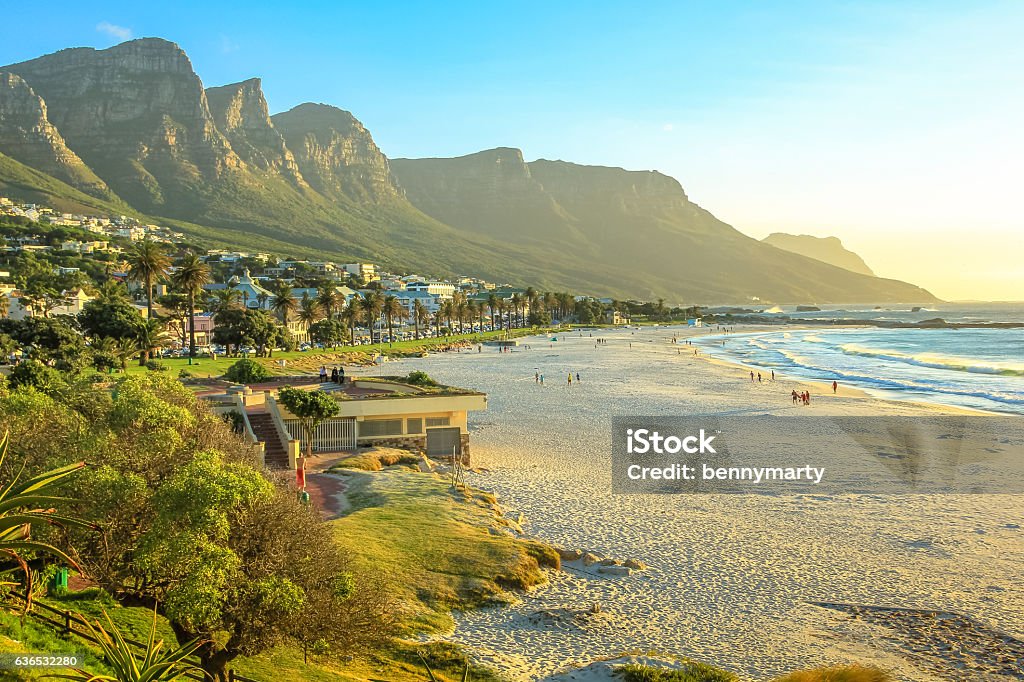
419 378
156 366
247 371
37 375
842 673
690 671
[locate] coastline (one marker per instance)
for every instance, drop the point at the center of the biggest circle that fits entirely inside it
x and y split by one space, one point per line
541 451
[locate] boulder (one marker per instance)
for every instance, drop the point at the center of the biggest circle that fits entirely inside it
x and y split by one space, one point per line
615 570
609 562
635 564
590 559
570 554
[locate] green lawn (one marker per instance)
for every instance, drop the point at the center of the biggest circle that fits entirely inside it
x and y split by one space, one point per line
310 361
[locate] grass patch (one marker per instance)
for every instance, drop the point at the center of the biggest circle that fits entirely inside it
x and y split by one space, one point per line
689 671
843 673
440 550
376 460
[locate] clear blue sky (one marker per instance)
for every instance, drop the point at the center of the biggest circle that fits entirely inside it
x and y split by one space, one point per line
896 126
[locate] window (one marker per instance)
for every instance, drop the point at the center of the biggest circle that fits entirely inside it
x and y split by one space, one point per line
380 427
414 425
438 421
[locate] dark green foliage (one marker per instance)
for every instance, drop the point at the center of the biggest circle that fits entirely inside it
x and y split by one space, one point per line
35 374
247 371
420 378
328 332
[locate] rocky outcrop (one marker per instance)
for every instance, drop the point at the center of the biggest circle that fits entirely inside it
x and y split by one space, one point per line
336 154
240 112
30 138
137 114
491 191
826 249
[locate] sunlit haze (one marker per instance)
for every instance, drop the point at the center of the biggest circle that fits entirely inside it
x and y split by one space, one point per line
896 129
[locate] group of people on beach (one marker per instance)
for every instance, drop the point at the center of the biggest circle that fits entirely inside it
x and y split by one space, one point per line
538 378
337 374
802 398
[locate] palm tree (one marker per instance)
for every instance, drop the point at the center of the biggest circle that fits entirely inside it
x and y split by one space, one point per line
148 264
478 307
393 310
529 300
327 299
372 304
516 302
149 335
190 277
24 505
224 300
283 304
420 314
502 306
492 303
154 665
461 311
309 311
351 315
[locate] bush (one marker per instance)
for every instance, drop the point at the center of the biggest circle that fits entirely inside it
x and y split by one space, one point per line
690 671
842 673
156 366
420 378
37 375
247 371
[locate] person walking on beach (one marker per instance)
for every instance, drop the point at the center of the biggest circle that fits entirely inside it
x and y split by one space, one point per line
541 379
577 377
758 377
570 378
536 377
773 375
795 396
835 386
751 376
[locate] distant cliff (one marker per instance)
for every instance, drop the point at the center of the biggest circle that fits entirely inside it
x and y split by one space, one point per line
826 249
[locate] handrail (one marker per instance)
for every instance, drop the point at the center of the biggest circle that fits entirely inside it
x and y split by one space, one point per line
70 620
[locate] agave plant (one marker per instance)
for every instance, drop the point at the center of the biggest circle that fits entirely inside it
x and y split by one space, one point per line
153 665
24 504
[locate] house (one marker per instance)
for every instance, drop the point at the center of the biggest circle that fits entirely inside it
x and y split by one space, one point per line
443 290
373 411
615 317
367 271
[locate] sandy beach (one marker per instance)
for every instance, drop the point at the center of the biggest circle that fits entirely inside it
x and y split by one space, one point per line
757 584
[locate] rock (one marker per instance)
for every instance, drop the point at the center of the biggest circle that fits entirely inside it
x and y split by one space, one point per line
635 564
615 570
518 517
609 562
570 554
425 464
590 559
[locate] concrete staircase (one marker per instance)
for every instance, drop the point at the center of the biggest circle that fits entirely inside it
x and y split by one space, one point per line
264 429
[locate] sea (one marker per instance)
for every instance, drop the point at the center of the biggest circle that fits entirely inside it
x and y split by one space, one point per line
976 368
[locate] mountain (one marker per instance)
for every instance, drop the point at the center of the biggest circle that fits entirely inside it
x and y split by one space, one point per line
635 225
132 129
31 138
826 249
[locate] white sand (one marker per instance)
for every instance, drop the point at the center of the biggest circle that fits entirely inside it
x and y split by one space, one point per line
729 577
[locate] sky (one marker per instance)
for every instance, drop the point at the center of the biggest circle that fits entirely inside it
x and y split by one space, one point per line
894 126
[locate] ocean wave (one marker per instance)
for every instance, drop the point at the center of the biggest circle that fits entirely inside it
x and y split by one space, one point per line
937 361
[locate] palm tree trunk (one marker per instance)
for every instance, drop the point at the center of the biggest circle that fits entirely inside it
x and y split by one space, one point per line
149 296
191 326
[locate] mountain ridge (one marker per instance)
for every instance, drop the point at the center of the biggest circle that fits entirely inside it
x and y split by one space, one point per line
141 121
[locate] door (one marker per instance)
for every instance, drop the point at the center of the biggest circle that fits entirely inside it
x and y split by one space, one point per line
443 442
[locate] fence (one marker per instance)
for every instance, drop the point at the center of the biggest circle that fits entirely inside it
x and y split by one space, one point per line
331 435
67 622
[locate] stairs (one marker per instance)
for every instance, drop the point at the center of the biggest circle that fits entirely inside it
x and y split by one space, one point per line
263 428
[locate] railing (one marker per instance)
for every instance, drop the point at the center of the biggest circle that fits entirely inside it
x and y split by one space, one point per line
67 622
291 445
331 435
247 431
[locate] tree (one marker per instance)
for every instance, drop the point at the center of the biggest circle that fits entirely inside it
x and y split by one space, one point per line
282 302
190 277
247 371
309 311
311 408
351 315
150 335
327 332
175 312
116 319
420 315
372 304
223 300
148 264
327 298
492 303
393 310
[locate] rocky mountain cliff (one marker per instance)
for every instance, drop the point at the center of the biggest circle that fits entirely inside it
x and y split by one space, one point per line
30 138
826 249
638 225
132 128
